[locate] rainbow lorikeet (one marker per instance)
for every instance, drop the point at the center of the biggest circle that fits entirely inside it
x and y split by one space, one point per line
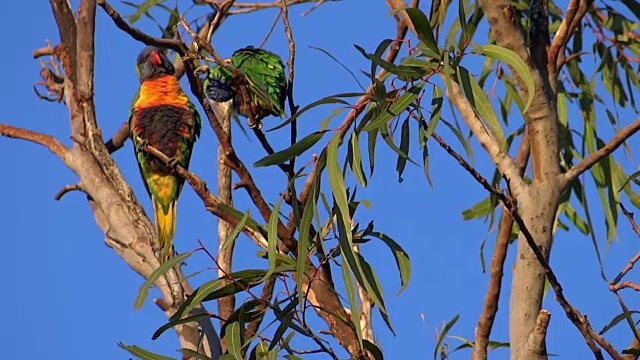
162 116
260 88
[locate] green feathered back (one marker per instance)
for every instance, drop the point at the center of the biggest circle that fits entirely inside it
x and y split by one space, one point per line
264 77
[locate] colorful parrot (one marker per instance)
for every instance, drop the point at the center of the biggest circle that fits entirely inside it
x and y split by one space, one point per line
262 80
162 116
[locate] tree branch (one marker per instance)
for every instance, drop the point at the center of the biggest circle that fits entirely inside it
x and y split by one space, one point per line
137 33
580 321
601 153
227 304
47 141
570 21
494 289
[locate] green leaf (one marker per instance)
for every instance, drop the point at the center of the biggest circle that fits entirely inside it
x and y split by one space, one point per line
303 242
155 275
339 63
631 177
232 336
373 349
289 153
144 8
400 256
405 137
409 71
356 160
424 30
443 334
481 103
372 136
236 232
143 354
622 316
284 325
169 325
436 103
272 237
353 302
212 290
513 60
633 6
396 108
465 144
384 132
425 162
333 99
239 215
338 187
575 219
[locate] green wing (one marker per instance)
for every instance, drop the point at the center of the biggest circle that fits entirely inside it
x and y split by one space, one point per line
265 73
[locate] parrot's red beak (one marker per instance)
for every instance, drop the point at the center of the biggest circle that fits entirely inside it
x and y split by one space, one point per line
155 58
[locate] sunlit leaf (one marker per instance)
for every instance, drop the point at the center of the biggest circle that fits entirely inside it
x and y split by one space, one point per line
233 235
481 103
188 319
616 320
294 150
443 334
143 354
333 99
400 256
397 107
424 30
232 336
404 147
155 275
513 60
356 160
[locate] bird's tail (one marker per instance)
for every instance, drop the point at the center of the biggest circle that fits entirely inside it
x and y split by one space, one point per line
166 226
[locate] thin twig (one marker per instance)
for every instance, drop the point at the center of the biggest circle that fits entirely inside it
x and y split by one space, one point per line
598 155
65 190
270 31
137 33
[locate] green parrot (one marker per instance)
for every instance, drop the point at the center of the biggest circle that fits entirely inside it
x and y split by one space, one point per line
162 116
259 90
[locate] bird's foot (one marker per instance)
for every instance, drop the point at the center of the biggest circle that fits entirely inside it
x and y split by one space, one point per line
172 162
253 124
143 143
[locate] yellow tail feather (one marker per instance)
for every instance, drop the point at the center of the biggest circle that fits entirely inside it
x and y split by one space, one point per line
166 226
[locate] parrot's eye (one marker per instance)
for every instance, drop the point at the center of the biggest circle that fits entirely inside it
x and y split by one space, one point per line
155 58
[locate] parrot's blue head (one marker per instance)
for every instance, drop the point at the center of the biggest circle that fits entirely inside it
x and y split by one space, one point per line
153 63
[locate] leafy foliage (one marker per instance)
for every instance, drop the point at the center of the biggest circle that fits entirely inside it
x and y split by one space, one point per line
403 105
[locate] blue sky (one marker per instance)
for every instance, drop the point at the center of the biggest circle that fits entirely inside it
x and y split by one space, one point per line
67 296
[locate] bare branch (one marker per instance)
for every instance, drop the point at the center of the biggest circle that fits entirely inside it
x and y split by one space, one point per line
137 33
572 17
243 8
47 141
598 155
227 304
537 339
494 289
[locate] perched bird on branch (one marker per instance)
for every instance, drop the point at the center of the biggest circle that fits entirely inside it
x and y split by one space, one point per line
258 90
162 116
